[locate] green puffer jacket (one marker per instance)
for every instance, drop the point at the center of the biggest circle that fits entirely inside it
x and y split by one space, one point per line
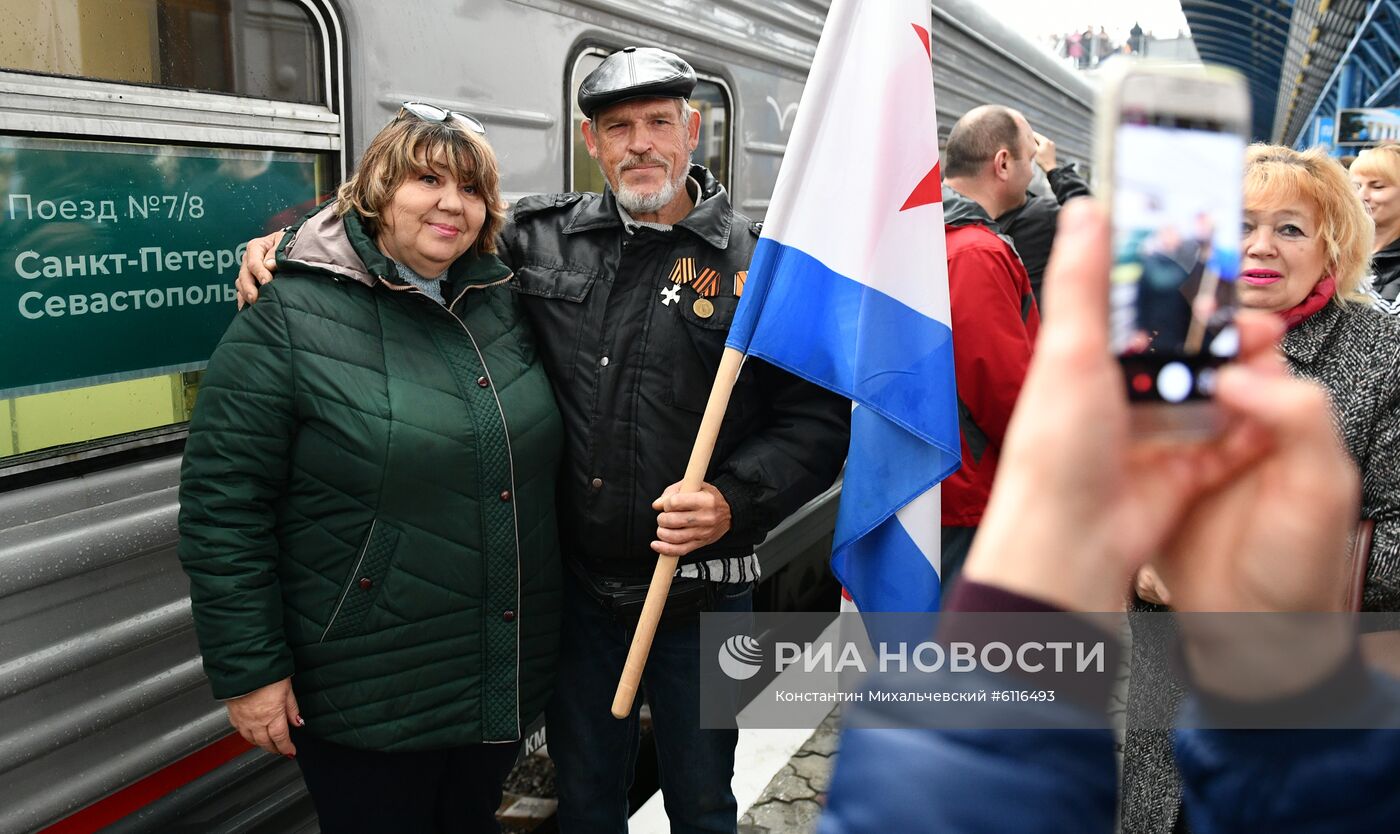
367 500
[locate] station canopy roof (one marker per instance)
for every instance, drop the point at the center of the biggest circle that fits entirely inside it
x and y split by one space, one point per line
1286 51
1250 36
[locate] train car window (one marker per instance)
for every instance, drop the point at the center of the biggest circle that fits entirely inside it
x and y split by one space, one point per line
261 48
710 98
123 209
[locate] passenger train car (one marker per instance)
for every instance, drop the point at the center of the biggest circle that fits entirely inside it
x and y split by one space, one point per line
141 142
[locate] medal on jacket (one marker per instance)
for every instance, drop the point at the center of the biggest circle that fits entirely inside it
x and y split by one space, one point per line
707 284
740 278
684 271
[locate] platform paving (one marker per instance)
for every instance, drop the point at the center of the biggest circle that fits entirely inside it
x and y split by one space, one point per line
794 798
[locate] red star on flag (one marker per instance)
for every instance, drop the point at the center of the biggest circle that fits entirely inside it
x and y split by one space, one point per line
930 188
923 36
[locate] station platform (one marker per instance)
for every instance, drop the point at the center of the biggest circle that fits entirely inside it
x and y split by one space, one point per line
795 796
780 779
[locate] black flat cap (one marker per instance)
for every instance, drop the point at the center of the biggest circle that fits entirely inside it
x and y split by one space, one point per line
635 72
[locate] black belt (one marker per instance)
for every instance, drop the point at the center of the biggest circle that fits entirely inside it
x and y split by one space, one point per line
624 598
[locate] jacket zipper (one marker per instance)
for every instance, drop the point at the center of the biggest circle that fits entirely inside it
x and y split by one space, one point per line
447 307
510 458
350 583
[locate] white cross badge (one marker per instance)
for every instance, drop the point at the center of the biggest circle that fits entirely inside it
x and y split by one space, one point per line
670 295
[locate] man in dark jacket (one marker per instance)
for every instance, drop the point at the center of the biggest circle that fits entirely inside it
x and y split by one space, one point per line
631 293
1031 225
987 166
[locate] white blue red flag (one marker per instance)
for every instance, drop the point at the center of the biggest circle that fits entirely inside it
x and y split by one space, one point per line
848 288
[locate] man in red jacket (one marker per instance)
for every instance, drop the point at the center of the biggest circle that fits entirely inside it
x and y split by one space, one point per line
987 166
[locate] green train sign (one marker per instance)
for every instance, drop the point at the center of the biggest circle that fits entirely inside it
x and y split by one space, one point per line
117 260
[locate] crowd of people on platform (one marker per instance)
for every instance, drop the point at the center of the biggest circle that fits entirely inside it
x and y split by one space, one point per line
432 464
1091 47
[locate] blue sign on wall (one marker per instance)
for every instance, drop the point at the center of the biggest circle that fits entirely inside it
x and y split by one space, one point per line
1326 131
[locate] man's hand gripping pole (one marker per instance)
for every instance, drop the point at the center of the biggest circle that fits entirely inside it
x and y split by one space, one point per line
728 373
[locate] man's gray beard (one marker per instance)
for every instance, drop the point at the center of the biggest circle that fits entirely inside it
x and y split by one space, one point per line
635 203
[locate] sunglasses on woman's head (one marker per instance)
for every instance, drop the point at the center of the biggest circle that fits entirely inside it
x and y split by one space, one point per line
433 113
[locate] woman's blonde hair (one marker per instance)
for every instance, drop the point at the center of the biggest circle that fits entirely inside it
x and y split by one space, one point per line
407 146
1276 176
1379 163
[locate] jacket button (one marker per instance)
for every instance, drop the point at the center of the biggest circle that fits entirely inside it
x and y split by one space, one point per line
366 583
604 361
505 495
483 382
597 483
508 615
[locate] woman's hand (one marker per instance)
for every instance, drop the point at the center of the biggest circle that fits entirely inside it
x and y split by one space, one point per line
263 716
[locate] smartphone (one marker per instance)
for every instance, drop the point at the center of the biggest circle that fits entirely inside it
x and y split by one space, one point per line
1171 140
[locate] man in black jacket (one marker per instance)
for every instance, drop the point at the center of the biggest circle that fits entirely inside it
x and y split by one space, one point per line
631 293
1031 225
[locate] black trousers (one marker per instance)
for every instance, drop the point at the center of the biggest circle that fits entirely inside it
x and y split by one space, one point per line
451 791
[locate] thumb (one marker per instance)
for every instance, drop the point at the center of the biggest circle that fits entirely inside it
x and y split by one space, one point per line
293 711
660 503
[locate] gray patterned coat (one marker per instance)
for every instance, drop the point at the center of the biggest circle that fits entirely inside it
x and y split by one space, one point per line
1354 352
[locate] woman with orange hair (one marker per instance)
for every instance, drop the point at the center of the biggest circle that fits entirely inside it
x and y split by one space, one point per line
1307 243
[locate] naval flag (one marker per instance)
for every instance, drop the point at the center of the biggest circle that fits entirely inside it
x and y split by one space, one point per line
848 288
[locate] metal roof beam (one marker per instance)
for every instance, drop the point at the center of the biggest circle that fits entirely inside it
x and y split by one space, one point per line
1245 24
1329 87
1233 9
1383 89
1375 58
1220 50
1231 44
1379 30
1370 76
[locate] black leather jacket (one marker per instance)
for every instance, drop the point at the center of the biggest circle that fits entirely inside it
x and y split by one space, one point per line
632 360
1385 265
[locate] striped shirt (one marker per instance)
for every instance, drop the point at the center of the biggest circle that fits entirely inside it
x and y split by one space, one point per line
737 570
1391 308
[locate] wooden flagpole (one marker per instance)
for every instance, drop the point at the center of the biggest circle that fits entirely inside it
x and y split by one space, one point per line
725 377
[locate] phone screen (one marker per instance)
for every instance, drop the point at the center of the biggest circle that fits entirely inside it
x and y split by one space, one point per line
1176 253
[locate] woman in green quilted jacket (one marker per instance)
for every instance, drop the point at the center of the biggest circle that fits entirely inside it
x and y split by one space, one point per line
366 503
